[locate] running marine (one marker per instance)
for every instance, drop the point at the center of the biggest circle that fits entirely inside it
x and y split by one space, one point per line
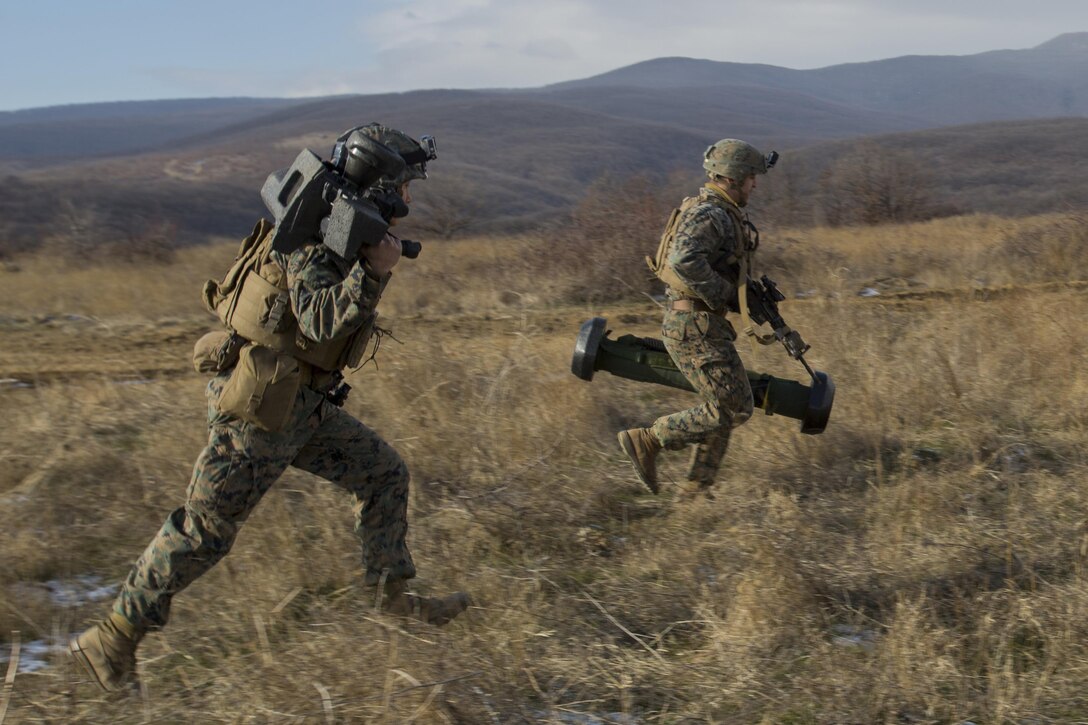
705 257
294 320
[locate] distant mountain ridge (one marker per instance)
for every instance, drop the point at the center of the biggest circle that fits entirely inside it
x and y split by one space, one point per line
786 106
96 129
519 158
1048 80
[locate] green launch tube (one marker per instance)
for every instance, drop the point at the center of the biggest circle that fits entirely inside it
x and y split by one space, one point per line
645 359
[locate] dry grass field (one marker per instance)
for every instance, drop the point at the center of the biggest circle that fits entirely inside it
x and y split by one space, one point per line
922 561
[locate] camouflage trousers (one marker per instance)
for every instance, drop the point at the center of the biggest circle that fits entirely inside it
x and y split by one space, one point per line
239 465
701 345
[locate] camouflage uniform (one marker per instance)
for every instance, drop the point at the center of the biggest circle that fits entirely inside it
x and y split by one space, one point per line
330 299
705 255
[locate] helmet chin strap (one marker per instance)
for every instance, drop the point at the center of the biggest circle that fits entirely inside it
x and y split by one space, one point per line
728 189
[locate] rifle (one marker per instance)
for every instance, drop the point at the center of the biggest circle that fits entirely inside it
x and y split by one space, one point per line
763 298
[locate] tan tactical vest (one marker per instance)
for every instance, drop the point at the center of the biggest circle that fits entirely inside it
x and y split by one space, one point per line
659 263
253 301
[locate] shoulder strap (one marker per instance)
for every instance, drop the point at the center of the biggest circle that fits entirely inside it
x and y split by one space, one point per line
745 271
744 267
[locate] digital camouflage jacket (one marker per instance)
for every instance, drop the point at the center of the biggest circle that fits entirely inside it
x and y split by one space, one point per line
330 298
707 250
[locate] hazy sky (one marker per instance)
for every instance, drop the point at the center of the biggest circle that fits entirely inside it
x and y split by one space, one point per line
74 51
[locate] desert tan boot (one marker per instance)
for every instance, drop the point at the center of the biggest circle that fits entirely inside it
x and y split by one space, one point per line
108 652
432 610
641 446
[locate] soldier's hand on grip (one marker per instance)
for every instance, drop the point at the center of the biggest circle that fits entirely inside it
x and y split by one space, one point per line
384 255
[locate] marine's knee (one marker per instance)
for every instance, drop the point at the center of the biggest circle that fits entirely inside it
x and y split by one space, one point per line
210 532
384 473
733 409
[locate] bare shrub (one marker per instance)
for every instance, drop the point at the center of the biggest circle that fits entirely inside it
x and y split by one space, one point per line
873 185
783 197
450 208
601 253
148 242
1056 249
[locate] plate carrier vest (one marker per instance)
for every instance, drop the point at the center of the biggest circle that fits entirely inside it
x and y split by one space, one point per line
253 301
749 240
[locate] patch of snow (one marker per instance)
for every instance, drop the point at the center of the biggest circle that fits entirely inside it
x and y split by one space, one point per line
33 656
79 590
845 635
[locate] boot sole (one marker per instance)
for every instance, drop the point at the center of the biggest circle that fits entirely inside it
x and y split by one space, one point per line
628 447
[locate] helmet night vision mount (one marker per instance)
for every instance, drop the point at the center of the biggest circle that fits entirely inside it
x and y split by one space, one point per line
342 201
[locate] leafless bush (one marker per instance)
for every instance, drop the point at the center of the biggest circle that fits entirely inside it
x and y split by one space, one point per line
449 209
601 253
149 242
873 185
783 197
1054 250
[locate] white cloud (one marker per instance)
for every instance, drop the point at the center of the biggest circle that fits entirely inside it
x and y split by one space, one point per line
517 43
413 44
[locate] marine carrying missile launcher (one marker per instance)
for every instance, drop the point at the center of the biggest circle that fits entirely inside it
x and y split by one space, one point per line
645 359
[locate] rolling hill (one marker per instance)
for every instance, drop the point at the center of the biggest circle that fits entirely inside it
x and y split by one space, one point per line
1044 81
517 159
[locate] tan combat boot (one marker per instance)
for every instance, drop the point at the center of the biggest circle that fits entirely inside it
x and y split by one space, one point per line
108 652
432 610
641 446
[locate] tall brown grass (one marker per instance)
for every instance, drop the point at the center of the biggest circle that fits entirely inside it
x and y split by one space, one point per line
920 561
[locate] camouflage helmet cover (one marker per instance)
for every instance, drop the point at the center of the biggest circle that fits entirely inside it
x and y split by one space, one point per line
734 159
406 146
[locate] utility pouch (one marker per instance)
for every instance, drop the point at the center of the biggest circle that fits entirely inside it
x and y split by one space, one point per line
262 388
216 352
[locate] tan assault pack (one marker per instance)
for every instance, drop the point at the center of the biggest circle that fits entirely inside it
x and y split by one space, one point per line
252 300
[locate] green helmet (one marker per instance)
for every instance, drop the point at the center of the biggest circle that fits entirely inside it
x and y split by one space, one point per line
737 160
415 154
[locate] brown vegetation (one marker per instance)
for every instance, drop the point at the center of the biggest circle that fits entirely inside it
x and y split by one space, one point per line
871 185
921 561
